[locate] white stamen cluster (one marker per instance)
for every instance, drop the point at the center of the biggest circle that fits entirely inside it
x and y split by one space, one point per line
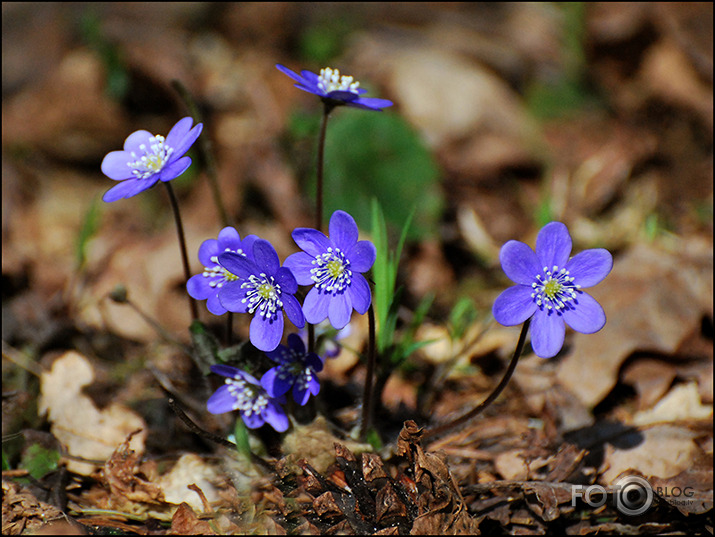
332 272
217 273
263 294
554 289
247 397
152 159
330 80
292 367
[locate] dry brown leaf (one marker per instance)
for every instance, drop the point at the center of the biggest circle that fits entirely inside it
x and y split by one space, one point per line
311 442
651 379
681 403
83 429
189 469
185 522
653 299
663 451
691 491
22 511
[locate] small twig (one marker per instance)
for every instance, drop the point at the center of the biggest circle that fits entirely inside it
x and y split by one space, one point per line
182 246
196 429
214 437
371 358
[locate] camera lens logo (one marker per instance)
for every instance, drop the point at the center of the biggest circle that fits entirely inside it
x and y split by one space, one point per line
633 495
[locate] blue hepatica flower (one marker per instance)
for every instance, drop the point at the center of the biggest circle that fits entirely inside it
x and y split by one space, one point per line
206 286
264 289
327 339
334 265
244 393
549 288
334 89
148 158
296 369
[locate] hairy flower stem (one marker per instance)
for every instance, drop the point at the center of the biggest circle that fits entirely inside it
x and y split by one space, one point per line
182 247
319 195
319 169
435 432
367 395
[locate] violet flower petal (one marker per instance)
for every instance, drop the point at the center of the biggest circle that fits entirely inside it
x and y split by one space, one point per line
519 262
343 230
591 266
265 334
553 245
547 334
514 305
587 316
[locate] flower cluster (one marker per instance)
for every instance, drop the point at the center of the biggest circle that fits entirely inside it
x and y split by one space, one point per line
246 276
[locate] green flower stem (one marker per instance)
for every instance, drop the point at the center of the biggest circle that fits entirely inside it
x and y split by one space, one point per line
435 432
182 246
367 395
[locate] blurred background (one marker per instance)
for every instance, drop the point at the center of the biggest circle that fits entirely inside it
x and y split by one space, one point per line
506 116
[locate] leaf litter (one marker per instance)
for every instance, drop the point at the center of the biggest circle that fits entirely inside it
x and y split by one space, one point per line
634 399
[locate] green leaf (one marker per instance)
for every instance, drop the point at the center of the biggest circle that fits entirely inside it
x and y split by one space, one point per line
461 317
373 438
40 461
378 155
90 224
240 433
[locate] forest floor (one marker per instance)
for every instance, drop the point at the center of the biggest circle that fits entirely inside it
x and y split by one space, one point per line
597 115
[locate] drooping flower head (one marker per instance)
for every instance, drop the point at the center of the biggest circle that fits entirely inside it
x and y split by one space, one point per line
244 393
327 338
335 89
334 265
148 158
264 289
296 369
206 286
550 286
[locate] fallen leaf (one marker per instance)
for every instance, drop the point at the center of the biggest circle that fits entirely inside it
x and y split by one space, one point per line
663 451
653 299
681 403
189 469
76 422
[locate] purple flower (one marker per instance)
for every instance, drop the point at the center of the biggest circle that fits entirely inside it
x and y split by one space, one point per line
549 288
334 89
205 286
263 288
296 369
334 265
147 158
327 339
244 393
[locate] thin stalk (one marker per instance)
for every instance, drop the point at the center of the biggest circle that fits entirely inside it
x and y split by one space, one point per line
435 432
182 246
319 168
319 195
368 395
229 329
